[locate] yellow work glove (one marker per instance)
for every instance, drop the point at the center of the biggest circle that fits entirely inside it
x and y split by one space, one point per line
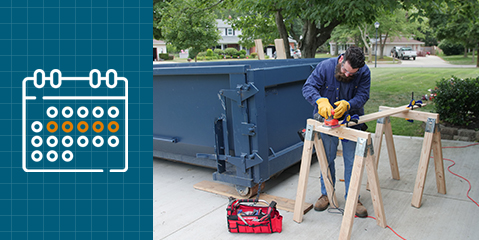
341 107
324 107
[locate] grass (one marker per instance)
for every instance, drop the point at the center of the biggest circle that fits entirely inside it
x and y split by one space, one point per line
392 87
460 59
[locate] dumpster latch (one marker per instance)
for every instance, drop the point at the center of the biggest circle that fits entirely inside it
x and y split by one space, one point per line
248 129
241 93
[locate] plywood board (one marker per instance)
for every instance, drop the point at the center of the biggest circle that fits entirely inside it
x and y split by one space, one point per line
229 191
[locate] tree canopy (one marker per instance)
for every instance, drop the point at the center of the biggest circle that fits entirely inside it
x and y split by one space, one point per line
185 25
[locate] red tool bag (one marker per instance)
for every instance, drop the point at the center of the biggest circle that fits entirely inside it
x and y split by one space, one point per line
245 216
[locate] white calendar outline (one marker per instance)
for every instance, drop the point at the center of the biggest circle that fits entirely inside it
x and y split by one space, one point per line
60 79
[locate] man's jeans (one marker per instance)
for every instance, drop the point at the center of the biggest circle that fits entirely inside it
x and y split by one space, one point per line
330 144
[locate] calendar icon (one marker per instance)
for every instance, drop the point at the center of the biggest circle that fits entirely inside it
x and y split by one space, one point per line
75 124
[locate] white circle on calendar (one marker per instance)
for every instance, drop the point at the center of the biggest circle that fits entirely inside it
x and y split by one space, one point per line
50 143
49 156
64 156
82 112
115 139
49 112
67 141
67 112
98 112
113 112
35 128
84 143
36 143
96 143
34 156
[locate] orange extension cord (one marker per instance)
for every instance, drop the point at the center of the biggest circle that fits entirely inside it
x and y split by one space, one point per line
457 175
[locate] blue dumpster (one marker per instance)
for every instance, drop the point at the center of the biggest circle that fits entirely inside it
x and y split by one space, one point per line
238 117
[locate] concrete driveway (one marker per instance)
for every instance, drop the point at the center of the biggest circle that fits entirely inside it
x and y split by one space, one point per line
429 61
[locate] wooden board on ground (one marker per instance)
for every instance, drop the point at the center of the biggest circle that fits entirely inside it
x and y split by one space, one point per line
221 189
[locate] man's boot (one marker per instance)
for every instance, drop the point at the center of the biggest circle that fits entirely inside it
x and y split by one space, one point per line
361 211
322 203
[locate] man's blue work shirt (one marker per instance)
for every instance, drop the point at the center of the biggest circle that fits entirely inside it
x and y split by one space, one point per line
322 83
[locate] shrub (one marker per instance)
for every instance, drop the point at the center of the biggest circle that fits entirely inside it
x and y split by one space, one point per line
450 48
242 51
231 51
209 53
241 56
202 54
253 55
457 100
219 51
163 56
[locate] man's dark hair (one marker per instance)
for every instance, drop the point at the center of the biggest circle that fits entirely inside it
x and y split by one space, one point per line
355 57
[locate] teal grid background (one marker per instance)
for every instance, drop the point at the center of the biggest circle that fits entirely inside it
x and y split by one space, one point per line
76 37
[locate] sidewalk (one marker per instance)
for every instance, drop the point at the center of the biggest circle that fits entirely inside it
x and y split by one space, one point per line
182 212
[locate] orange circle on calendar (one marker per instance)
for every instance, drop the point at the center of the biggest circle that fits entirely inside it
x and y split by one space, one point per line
70 126
116 126
80 124
99 129
49 126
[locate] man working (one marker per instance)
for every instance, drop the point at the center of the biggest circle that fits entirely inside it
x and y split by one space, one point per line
345 82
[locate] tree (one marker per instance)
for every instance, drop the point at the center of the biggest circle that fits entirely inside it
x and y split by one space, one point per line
318 18
158 6
455 20
189 24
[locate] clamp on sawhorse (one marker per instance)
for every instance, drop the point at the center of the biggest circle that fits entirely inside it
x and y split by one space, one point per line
364 156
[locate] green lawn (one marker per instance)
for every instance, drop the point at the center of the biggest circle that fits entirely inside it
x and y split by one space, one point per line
460 59
392 87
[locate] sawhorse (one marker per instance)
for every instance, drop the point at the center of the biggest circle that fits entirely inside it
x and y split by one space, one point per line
432 140
364 155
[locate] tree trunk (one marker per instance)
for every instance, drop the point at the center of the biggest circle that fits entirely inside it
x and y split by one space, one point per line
465 52
309 40
368 46
473 51
315 37
477 62
382 43
283 33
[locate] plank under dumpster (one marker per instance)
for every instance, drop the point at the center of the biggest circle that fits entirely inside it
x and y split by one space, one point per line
238 117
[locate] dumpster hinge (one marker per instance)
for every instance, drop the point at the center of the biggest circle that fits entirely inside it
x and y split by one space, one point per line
248 129
240 93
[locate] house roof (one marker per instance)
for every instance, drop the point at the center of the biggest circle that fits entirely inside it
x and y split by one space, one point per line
402 40
222 24
391 40
158 42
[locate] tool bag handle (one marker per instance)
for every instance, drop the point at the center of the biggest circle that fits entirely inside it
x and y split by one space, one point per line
235 203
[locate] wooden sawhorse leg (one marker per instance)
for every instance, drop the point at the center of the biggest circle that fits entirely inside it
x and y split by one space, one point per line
432 140
383 125
310 138
364 155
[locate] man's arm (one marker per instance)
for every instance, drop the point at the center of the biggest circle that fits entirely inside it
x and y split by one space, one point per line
313 85
362 94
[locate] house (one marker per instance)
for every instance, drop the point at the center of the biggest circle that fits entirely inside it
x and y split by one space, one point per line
390 43
230 39
158 47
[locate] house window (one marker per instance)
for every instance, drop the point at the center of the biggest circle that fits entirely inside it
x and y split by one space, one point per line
230 32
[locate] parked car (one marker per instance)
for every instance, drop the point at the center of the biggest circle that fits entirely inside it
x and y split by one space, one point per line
296 54
407 52
395 51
